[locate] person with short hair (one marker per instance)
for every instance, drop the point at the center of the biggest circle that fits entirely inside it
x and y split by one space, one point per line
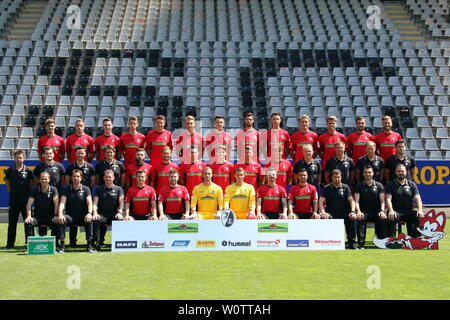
80 139
106 139
240 197
386 139
283 167
216 138
336 202
157 139
311 165
371 159
45 199
108 205
342 162
188 139
18 180
251 168
370 206
140 200
160 173
271 198
303 137
327 141
275 138
191 172
222 169
207 198
356 141
303 202
130 142
76 199
173 199
110 163
248 136
85 167
54 168
400 156
132 169
401 193
52 140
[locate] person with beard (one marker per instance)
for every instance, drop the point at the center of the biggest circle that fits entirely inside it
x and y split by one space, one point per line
275 138
157 139
251 168
191 172
54 168
110 163
371 159
401 193
52 140
357 141
217 138
140 202
173 199
248 136
400 156
222 169
386 139
302 138
160 173
311 165
132 169
130 142
271 198
343 163
303 202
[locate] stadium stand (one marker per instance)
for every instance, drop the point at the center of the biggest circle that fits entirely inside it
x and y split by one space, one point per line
141 57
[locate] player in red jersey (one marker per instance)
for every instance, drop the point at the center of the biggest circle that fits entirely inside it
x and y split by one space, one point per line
303 137
140 200
107 138
218 137
52 140
271 199
252 169
386 140
303 203
191 173
282 167
131 141
138 165
356 141
187 140
80 139
222 169
173 199
248 136
157 139
160 172
275 138
328 139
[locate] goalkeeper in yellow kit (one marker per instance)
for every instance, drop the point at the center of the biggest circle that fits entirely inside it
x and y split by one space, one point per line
241 197
207 198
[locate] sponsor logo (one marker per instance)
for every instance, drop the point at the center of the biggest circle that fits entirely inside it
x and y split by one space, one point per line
205 243
181 243
41 248
268 243
183 227
153 244
226 243
272 227
227 217
297 243
125 244
327 243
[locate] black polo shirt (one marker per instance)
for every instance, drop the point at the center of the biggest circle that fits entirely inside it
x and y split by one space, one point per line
87 169
43 201
55 169
376 163
346 165
336 199
312 168
402 194
369 196
76 203
108 200
393 161
19 182
116 166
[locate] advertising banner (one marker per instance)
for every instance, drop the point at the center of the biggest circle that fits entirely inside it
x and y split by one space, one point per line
248 235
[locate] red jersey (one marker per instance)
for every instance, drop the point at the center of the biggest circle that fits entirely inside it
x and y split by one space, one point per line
192 174
222 174
102 141
128 146
55 142
386 144
252 172
140 199
73 142
326 144
247 138
130 173
303 198
154 142
173 198
160 174
357 143
299 139
215 139
275 138
284 172
271 198
184 144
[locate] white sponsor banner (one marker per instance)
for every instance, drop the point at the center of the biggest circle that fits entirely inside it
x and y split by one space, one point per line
249 235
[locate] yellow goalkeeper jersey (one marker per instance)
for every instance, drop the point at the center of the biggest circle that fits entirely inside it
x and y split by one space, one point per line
207 200
240 199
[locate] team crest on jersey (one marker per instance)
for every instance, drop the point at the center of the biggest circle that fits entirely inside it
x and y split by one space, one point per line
85 141
212 191
374 188
407 189
345 164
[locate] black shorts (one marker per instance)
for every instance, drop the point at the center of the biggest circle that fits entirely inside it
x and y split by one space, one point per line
271 215
303 215
174 216
140 217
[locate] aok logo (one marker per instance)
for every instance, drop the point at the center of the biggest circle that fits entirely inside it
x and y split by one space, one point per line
40 248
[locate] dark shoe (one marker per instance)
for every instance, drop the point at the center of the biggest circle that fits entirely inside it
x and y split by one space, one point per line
9 246
90 247
73 244
101 244
361 246
353 246
61 248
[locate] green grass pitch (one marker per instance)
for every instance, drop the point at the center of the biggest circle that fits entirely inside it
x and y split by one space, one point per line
225 275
